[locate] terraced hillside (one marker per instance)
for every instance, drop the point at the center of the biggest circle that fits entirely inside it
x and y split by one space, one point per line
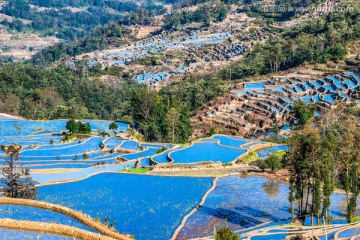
167 52
252 109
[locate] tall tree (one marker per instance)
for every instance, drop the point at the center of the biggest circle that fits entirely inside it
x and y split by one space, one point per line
16 183
172 121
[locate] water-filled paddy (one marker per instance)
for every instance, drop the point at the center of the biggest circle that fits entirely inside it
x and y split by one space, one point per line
10 234
26 127
162 158
145 162
205 152
130 145
145 153
242 203
229 141
151 207
27 213
44 178
350 233
88 146
265 152
245 202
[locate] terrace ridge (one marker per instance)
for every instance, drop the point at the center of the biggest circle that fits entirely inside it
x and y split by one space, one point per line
66 211
177 231
53 228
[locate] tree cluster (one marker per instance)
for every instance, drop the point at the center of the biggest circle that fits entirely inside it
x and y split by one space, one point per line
59 93
164 115
78 127
58 20
205 14
324 154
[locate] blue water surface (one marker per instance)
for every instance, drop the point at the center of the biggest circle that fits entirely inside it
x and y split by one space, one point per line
265 152
10 234
26 127
206 152
150 207
17 212
231 141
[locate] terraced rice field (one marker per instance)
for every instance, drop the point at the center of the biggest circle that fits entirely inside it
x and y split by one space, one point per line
55 177
245 202
10 234
231 141
27 127
88 146
146 153
17 212
84 155
206 152
150 207
276 95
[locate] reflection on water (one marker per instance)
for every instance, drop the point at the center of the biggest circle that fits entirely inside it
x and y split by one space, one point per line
244 202
271 188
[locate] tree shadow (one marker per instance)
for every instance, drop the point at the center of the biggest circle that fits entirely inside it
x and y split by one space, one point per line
243 219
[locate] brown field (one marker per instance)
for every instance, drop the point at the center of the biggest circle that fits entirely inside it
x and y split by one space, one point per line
18 44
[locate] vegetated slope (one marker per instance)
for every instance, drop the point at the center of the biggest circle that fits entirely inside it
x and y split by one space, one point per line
69 19
28 26
117 32
50 93
41 93
112 33
320 40
316 41
280 10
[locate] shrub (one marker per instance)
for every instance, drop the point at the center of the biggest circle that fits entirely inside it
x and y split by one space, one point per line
274 161
135 170
225 233
249 157
227 164
113 126
161 150
355 219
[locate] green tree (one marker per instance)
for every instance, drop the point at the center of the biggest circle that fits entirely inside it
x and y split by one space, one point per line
274 161
16 183
303 112
226 233
113 126
172 122
72 126
84 128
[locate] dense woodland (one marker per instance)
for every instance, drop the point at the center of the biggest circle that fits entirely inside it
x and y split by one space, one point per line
41 93
44 93
101 38
204 14
60 21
